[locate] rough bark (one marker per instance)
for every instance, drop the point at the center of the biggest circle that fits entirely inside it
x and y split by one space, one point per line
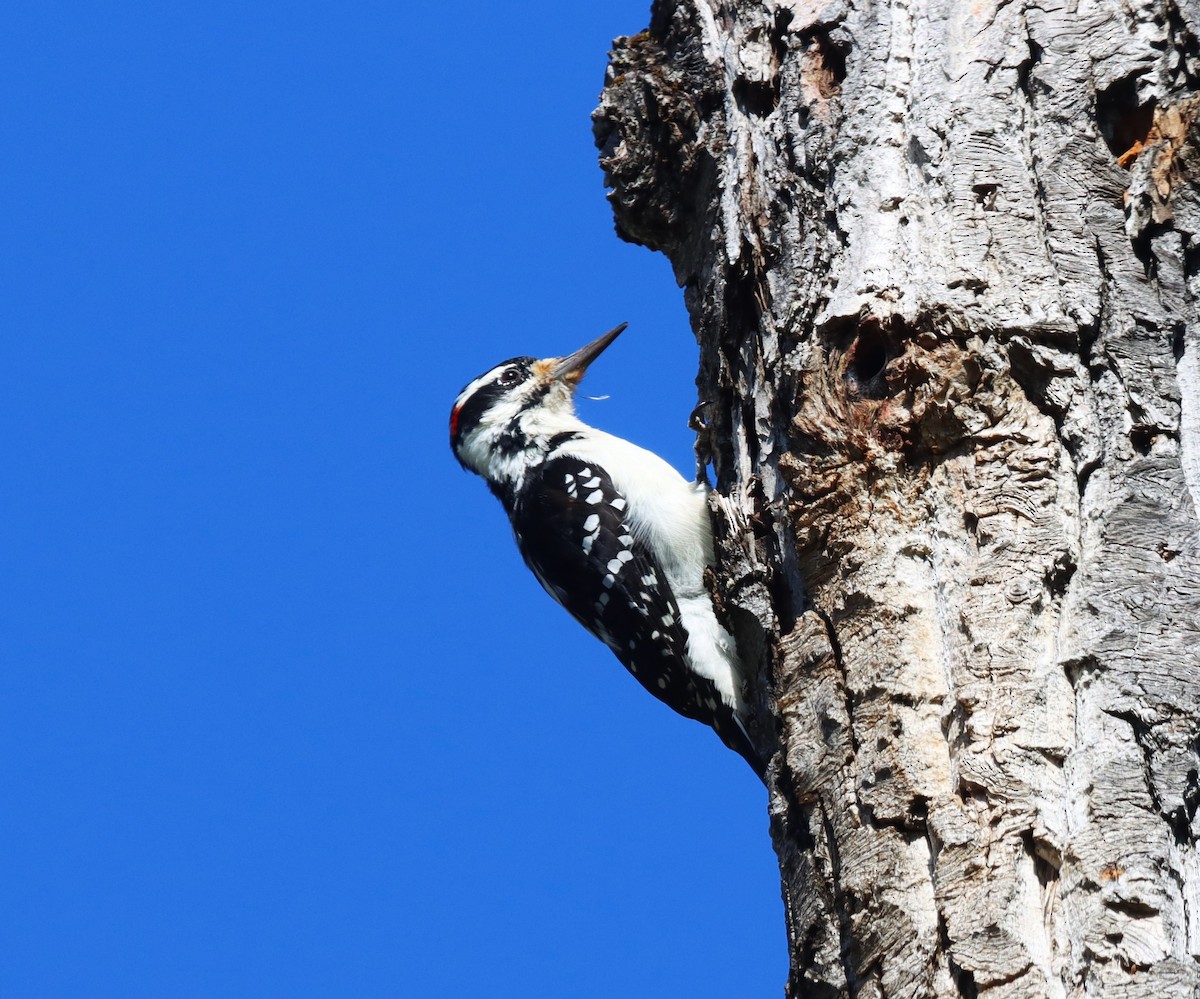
942 262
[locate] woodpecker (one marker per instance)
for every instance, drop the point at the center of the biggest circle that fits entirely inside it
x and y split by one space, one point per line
610 530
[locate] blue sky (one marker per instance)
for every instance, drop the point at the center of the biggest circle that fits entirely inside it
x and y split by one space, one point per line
281 712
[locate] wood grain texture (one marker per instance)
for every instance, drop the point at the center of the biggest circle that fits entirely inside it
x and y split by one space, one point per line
941 259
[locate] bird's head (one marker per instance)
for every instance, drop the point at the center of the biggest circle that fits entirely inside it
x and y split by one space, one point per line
517 407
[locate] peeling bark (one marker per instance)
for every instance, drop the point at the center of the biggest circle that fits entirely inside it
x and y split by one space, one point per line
942 261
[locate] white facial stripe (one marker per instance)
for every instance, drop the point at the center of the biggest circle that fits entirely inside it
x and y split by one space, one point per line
485 379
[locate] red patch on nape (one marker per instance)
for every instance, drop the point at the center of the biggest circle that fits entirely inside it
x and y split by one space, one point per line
454 420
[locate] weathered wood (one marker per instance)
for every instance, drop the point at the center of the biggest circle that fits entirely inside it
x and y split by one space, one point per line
942 262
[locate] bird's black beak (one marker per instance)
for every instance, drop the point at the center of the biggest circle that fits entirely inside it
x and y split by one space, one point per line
571 368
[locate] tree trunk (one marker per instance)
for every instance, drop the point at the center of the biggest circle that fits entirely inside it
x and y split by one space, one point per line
941 258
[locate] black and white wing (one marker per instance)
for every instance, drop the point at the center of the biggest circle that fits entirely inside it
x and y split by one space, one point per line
573 532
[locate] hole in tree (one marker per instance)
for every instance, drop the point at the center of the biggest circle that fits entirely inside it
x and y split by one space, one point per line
779 33
1182 817
985 195
756 98
1124 119
1025 69
1045 856
825 64
868 358
1142 438
833 58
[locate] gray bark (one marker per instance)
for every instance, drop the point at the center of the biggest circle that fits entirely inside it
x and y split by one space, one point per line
941 259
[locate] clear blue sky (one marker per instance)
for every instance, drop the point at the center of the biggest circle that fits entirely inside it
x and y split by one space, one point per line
281 712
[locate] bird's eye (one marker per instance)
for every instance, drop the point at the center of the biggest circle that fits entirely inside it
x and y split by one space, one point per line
510 377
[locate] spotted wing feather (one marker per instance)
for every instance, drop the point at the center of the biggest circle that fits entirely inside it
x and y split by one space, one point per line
572 529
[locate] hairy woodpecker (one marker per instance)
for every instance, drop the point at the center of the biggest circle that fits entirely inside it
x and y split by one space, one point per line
611 531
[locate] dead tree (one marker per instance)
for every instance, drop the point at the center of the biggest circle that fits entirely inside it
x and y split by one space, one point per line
941 259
